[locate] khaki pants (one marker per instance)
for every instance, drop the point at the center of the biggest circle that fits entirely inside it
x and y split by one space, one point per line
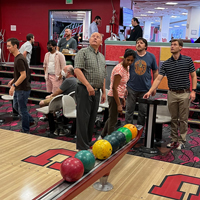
178 104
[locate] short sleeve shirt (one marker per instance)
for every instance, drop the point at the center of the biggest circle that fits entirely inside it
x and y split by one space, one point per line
67 44
119 70
69 85
28 48
20 64
140 72
92 65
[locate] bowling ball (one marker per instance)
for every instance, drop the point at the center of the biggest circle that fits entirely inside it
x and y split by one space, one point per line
198 72
87 158
72 169
133 129
198 86
113 141
120 136
127 133
102 149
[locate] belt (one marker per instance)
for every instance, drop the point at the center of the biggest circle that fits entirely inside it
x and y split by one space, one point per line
180 91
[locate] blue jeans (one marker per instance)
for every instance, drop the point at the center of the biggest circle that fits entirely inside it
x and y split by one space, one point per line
20 100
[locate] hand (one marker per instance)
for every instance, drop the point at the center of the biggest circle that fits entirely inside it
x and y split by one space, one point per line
10 83
90 90
126 93
124 102
153 93
103 97
119 109
192 96
147 95
11 91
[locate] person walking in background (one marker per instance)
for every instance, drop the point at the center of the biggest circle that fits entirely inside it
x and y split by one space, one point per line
94 26
54 63
20 85
116 94
140 81
177 69
136 32
26 48
91 72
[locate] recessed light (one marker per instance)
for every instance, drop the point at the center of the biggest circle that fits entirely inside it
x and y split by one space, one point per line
171 3
159 8
173 16
143 15
183 24
184 13
151 12
176 26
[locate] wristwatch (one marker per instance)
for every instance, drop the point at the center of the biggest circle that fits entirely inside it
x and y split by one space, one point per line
13 85
194 90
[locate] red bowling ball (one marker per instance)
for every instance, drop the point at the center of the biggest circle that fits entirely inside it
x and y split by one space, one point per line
72 169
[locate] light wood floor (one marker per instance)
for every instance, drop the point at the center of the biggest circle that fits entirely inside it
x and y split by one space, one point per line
132 177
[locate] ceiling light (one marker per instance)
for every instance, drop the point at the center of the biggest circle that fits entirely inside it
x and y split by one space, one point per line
143 15
151 12
170 27
173 16
171 3
176 26
157 20
159 8
183 24
184 13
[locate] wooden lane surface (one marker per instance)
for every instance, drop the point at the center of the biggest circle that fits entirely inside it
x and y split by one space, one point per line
133 177
22 180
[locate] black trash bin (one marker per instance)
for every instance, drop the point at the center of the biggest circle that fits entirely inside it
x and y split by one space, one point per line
35 57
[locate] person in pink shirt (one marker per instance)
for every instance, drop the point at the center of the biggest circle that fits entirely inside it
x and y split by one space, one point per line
54 63
116 100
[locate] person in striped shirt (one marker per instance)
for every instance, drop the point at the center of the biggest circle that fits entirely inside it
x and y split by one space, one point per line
116 100
177 69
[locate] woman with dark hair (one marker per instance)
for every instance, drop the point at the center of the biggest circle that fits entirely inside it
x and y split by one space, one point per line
116 100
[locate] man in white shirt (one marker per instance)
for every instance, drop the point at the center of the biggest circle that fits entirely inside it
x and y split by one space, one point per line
26 48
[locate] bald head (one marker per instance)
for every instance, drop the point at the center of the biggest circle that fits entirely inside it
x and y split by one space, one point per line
95 40
69 70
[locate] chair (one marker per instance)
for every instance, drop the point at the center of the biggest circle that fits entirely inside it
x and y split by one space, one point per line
162 117
72 94
54 105
69 110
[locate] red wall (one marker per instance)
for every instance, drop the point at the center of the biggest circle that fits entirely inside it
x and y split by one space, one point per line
32 16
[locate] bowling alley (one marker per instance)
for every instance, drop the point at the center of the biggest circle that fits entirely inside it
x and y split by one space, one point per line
99 100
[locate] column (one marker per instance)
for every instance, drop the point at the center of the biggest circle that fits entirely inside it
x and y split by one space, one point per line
193 22
147 30
164 29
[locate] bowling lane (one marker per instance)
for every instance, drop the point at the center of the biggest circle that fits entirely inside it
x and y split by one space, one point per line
133 177
21 180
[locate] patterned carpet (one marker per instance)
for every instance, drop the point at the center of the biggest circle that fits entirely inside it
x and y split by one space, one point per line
188 156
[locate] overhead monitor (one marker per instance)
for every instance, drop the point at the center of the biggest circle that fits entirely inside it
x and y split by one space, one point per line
126 16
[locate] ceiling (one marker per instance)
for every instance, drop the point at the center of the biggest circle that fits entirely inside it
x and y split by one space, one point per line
145 10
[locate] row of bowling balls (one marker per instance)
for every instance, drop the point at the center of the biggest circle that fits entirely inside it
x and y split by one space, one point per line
72 169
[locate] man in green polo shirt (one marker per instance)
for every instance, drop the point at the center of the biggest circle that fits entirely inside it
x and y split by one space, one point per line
90 71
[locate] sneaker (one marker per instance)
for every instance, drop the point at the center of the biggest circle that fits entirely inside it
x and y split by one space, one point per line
43 119
99 138
56 132
180 146
62 132
172 144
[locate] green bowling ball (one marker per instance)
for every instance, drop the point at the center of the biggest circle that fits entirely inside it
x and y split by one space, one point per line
87 158
126 132
198 72
113 141
198 86
120 136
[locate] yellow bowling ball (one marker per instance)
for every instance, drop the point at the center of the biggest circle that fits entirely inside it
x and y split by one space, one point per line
102 149
133 129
